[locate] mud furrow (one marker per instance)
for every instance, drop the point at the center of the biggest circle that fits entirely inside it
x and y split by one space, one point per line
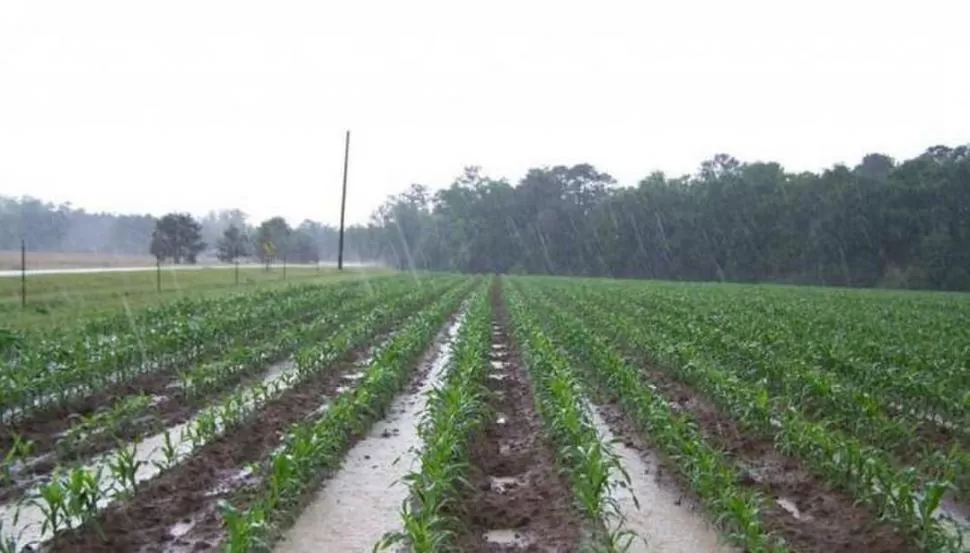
804 509
663 517
184 498
518 500
363 499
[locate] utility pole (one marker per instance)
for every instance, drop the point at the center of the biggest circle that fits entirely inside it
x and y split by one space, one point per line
343 205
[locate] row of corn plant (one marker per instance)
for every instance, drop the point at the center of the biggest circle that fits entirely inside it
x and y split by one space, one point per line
120 419
44 378
309 449
903 354
201 380
455 411
247 401
899 496
709 474
112 421
593 467
755 353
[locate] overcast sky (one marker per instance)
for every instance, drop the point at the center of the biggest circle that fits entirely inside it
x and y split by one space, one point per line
136 106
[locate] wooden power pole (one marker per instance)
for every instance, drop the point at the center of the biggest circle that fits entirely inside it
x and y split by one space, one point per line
343 206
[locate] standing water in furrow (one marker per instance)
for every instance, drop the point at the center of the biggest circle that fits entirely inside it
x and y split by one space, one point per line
148 457
663 519
363 500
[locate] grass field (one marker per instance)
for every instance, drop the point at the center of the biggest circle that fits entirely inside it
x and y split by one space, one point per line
475 414
10 260
55 299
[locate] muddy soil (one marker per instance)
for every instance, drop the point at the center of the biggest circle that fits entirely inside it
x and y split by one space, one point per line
808 512
518 499
183 500
168 409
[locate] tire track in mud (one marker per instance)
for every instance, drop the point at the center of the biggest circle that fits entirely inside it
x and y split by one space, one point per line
518 501
182 500
806 510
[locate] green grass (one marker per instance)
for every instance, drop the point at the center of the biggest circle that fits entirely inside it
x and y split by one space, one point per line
54 300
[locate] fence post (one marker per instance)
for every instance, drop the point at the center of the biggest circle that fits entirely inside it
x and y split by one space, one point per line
237 272
158 274
284 266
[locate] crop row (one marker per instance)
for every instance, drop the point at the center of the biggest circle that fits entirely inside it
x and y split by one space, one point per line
223 417
54 375
901 356
311 448
736 338
712 477
455 411
199 382
867 472
592 465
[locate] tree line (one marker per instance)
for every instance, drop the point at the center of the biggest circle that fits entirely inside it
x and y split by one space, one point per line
175 237
879 223
882 222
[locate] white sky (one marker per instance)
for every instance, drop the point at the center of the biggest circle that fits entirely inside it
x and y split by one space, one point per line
137 106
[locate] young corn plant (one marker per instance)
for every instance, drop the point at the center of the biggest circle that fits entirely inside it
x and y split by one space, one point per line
124 467
52 501
19 451
84 491
246 530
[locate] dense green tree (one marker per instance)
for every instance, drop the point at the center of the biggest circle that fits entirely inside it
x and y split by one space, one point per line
177 237
272 240
233 244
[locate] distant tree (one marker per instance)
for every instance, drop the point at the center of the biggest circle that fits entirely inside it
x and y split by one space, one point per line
177 237
233 244
272 240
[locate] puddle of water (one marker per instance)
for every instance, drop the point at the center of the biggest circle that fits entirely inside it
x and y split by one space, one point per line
789 506
363 500
509 538
230 482
501 419
181 528
502 484
497 376
665 523
954 518
498 365
354 376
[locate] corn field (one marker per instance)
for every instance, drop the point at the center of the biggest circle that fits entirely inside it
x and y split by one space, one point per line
437 413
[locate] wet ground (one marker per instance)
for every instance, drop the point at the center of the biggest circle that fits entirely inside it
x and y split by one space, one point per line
363 500
519 501
653 507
